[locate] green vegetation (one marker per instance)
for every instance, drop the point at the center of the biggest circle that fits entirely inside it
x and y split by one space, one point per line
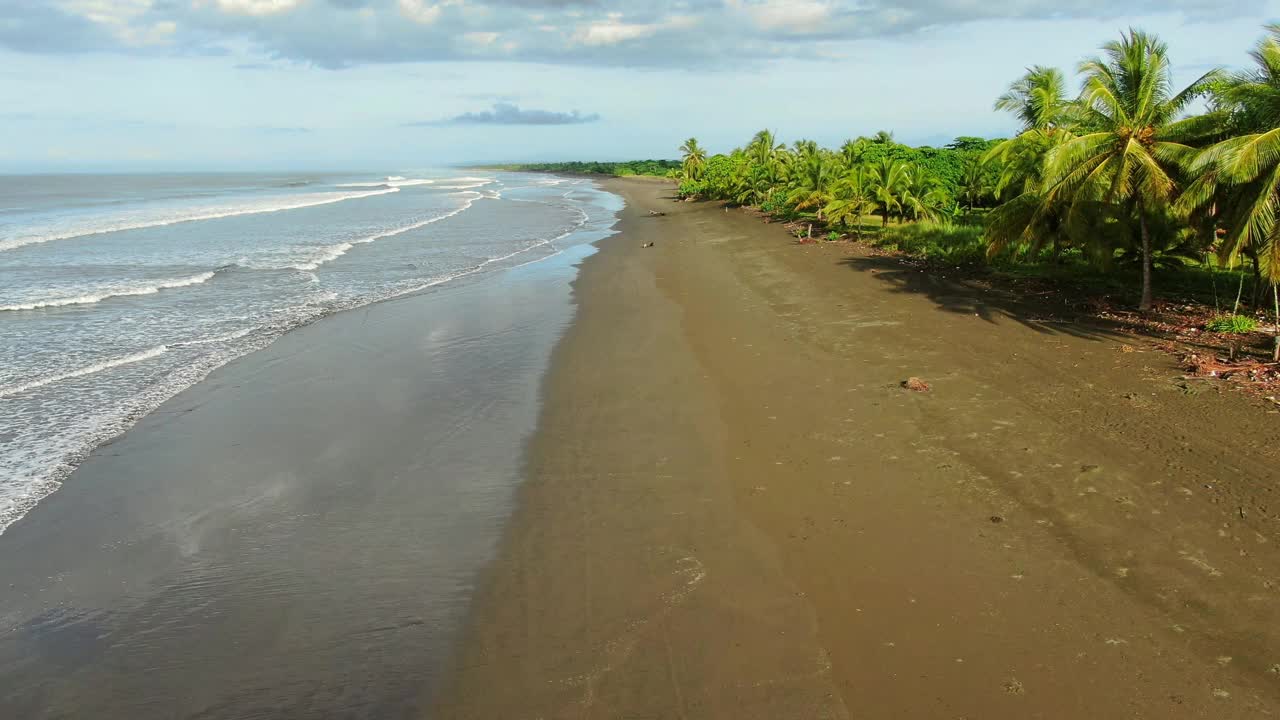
1232 324
657 168
1124 182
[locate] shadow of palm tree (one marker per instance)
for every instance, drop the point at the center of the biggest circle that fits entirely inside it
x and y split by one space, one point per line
1044 311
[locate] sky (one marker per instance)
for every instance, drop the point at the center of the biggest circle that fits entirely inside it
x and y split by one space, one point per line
187 85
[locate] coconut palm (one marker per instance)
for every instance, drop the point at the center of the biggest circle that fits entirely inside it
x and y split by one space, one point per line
812 173
921 196
974 189
852 196
888 180
695 159
851 151
764 147
1038 99
1134 139
1241 175
1238 179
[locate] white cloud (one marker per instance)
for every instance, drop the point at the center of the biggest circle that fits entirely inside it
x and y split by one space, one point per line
612 30
426 13
347 33
255 7
480 38
124 20
784 15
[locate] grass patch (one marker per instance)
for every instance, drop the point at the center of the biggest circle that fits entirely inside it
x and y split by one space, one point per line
1237 324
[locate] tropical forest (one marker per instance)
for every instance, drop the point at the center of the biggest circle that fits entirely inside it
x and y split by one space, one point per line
1116 174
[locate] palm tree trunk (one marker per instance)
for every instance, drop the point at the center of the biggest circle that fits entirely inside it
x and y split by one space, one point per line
1257 282
1145 304
1275 335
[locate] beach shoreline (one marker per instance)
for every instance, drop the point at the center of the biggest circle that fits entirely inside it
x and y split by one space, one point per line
732 509
298 534
726 507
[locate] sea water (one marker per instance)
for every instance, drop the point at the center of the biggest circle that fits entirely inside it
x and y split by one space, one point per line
119 291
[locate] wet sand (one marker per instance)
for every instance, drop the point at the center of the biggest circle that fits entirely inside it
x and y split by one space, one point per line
732 510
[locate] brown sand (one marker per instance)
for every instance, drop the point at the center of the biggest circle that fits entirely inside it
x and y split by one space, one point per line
734 510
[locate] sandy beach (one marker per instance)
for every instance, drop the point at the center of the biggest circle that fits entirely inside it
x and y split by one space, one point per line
715 501
733 510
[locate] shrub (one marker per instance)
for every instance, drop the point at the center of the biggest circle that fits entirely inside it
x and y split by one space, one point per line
775 206
945 242
833 236
1232 324
690 188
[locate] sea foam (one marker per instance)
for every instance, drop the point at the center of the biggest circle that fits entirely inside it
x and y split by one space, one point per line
113 291
14 389
141 219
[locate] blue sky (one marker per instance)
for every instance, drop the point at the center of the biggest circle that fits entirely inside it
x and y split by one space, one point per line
372 84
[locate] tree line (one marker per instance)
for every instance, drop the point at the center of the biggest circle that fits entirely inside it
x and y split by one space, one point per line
1129 172
660 168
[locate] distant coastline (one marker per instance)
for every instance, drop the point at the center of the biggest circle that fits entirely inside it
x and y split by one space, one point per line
626 168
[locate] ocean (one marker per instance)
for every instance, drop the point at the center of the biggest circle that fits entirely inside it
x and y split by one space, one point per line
119 291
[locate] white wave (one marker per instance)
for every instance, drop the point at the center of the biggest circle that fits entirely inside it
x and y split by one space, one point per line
111 292
233 335
333 252
30 477
101 226
388 183
547 243
465 186
14 389
394 177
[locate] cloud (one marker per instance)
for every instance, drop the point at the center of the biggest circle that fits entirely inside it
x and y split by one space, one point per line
656 33
253 7
509 114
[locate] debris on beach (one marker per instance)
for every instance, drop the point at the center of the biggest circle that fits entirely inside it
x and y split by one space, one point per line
916 384
656 213
647 245
1212 366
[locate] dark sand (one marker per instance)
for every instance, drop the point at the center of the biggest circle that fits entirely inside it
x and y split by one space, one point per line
732 510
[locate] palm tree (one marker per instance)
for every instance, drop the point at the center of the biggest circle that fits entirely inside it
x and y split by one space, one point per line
852 197
695 159
888 180
1134 138
764 147
851 151
1240 176
1038 99
922 196
811 178
974 189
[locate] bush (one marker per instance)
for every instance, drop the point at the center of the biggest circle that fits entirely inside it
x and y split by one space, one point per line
833 236
1232 324
776 206
691 188
944 242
